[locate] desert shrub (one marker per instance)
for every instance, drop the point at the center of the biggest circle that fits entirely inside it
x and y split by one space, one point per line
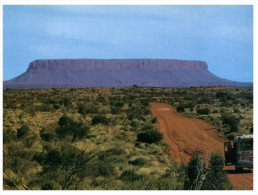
119 104
67 126
217 178
82 109
221 94
231 120
147 127
198 177
87 108
236 110
180 108
46 134
115 110
99 119
8 135
135 122
111 152
154 120
56 106
24 130
109 159
215 111
151 136
65 165
46 108
139 161
196 172
203 111
51 185
130 175
67 102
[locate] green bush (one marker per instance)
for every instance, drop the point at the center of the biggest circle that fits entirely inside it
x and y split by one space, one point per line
115 110
151 136
217 178
139 161
100 119
67 126
154 120
47 135
130 176
180 109
88 108
231 120
203 111
195 171
198 177
24 130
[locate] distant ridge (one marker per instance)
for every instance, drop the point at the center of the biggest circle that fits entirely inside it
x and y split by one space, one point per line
78 73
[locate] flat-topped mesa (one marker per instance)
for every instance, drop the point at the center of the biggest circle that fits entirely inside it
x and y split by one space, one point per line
77 73
116 65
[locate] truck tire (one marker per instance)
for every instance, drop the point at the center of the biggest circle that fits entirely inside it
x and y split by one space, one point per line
238 169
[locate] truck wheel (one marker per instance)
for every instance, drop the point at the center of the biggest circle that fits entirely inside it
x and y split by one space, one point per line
238 169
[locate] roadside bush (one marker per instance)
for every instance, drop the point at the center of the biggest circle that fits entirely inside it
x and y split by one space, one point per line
196 172
151 136
154 120
180 109
198 177
231 120
217 178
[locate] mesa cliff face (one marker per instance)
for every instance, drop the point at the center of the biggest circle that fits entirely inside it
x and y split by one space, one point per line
117 73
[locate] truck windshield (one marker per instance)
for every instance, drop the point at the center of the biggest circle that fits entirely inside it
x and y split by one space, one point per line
246 145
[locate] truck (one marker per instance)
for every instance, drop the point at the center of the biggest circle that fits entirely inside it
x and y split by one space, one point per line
240 154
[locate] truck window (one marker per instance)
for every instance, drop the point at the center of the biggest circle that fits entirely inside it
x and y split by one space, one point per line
246 145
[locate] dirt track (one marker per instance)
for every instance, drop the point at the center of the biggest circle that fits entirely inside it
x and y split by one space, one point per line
188 135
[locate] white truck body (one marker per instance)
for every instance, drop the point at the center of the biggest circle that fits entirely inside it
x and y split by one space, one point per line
241 154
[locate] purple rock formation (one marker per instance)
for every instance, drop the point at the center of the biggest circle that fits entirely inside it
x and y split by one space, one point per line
118 73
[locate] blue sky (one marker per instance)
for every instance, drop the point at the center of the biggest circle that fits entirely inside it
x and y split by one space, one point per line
221 35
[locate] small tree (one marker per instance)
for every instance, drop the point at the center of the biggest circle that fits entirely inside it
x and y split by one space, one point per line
150 136
231 120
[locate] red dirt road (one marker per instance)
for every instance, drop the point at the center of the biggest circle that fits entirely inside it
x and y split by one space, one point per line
188 135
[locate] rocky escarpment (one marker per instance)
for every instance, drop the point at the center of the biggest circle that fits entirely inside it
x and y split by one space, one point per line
117 73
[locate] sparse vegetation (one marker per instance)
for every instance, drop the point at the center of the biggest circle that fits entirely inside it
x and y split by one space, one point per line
85 139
